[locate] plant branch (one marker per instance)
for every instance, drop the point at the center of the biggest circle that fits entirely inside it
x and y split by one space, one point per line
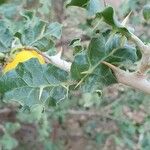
143 48
135 80
57 61
144 65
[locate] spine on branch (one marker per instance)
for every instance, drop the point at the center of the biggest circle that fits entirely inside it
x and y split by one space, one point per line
137 79
134 79
144 65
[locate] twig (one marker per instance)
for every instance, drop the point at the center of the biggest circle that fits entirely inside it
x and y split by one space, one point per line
143 48
135 80
62 64
56 59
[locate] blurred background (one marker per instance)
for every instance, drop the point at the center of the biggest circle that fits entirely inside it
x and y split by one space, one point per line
119 119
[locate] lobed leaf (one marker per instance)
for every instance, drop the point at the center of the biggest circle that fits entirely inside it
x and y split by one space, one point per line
79 65
32 84
88 68
41 35
109 17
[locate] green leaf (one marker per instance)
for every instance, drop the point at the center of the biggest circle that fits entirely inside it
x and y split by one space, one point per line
109 17
27 14
105 74
79 3
88 68
96 49
5 37
122 54
32 33
114 41
146 12
91 84
41 35
102 76
32 84
119 49
79 65
76 44
92 6
55 30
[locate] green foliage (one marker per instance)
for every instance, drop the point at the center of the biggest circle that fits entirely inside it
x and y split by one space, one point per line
109 17
87 67
76 45
29 88
40 35
38 89
92 6
146 12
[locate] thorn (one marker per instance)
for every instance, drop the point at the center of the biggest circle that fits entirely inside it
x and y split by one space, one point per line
78 83
40 92
117 71
124 22
114 68
59 54
87 72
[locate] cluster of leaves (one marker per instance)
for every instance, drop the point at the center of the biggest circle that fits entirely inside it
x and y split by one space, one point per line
42 35
27 30
87 68
110 45
37 86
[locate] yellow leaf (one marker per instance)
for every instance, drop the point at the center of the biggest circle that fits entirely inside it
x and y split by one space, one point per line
23 56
